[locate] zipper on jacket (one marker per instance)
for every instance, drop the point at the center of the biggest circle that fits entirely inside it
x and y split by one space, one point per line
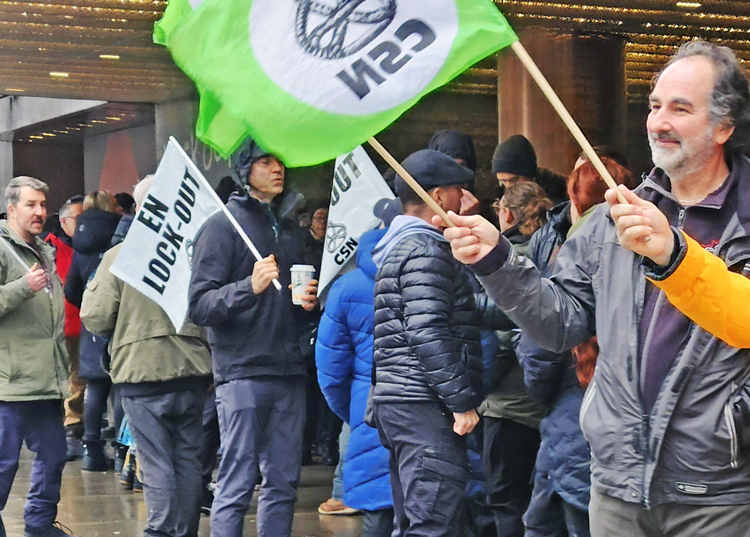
645 440
680 218
731 426
586 403
644 448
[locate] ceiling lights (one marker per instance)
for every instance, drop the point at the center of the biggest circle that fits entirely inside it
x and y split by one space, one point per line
103 49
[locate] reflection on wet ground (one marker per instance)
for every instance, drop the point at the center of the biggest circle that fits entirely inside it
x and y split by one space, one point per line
96 505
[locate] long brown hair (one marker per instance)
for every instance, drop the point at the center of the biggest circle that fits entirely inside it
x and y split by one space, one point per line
585 355
529 205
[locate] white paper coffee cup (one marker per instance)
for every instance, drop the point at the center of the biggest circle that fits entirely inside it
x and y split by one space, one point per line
301 275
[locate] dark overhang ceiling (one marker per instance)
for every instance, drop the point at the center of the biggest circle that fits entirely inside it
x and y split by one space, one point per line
102 49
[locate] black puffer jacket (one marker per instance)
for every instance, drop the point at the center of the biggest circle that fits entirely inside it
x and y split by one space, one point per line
427 321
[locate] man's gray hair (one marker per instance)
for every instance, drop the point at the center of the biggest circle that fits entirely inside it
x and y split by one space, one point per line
65 209
141 189
730 100
13 192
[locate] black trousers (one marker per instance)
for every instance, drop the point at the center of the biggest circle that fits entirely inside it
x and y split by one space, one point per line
429 468
95 405
509 457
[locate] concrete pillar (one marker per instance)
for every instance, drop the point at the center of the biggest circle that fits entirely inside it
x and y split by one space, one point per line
587 72
6 170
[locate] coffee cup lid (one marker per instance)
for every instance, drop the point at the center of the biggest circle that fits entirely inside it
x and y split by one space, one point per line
303 268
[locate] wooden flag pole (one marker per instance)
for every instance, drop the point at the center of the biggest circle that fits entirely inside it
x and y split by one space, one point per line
559 107
383 152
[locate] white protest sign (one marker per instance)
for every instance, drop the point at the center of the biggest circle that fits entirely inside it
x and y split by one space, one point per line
155 257
357 187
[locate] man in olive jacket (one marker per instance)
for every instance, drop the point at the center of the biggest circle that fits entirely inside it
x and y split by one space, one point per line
163 376
33 359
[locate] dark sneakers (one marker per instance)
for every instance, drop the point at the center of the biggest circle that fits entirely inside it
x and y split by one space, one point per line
127 476
207 500
54 530
121 452
94 457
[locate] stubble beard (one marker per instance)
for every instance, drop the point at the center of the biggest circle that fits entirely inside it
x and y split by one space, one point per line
684 160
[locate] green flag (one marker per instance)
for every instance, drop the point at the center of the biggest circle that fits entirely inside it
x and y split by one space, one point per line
173 15
312 79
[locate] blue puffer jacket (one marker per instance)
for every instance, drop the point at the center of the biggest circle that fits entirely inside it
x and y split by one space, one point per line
343 353
563 462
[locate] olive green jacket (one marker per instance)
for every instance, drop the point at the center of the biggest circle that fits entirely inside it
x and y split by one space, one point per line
145 347
33 360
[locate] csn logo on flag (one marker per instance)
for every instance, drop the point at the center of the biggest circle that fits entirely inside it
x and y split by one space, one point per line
382 52
330 38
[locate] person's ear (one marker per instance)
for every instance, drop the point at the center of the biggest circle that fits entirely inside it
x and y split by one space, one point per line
438 195
511 218
723 133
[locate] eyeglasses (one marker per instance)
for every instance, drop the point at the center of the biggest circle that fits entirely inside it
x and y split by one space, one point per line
511 180
498 206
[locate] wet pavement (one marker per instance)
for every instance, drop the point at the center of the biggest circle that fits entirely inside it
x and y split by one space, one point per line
96 505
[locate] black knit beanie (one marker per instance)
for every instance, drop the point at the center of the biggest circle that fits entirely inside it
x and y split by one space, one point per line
515 155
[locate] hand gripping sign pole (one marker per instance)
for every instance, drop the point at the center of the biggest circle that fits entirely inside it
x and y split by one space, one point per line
224 209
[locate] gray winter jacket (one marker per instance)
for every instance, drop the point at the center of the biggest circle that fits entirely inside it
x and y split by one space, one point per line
690 448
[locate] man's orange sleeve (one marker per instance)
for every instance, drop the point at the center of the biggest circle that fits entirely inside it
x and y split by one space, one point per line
717 300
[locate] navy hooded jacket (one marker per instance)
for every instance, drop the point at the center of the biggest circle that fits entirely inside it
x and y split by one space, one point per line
93 237
250 335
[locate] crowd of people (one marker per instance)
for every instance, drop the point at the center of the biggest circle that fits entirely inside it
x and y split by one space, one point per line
571 366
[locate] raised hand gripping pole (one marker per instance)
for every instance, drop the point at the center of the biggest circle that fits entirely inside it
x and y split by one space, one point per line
559 107
383 152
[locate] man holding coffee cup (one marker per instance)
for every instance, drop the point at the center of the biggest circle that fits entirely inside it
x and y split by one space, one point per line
254 335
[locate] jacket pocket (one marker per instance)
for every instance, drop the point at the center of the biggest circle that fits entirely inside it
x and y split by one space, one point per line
601 429
703 430
733 441
741 417
586 403
6 369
